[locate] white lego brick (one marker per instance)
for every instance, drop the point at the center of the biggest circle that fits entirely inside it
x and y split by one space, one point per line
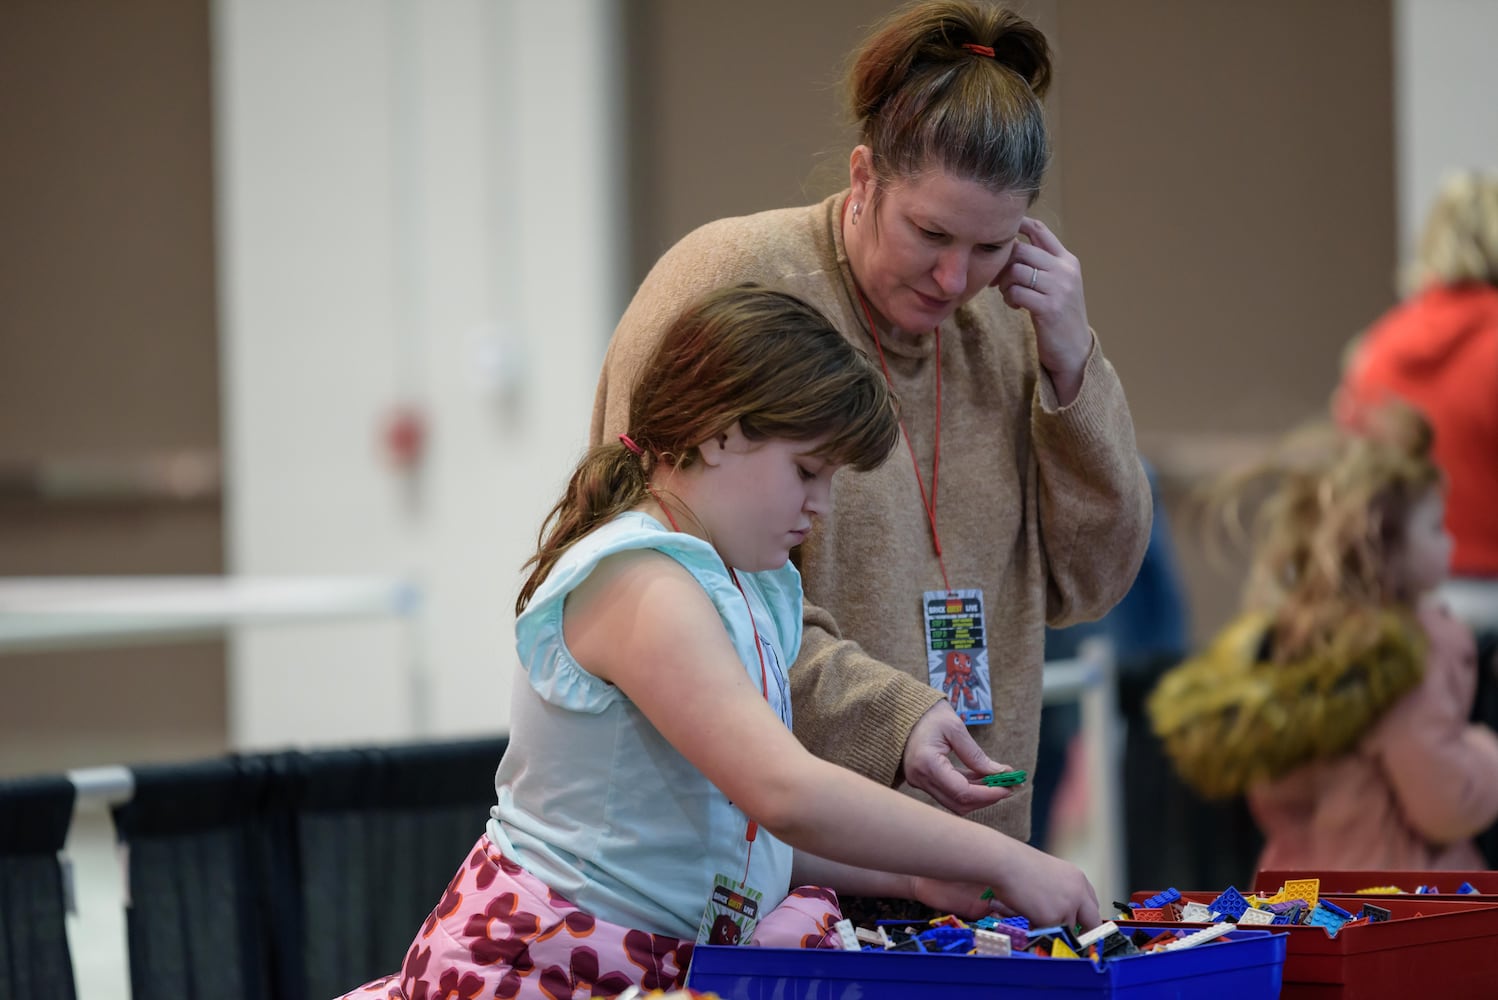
1200 937
991 943
1196 913
1099 932
847 936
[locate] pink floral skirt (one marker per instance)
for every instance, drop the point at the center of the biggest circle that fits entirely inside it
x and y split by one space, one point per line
499 931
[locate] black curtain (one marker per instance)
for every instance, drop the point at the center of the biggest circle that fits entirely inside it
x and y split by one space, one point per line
205 842
34 817
1485 710
380 833
295 876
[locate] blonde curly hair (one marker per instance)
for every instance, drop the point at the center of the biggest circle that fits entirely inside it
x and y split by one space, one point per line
1322 537
1329 639
1460 240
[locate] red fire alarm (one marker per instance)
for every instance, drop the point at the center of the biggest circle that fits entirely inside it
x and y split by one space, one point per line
405 436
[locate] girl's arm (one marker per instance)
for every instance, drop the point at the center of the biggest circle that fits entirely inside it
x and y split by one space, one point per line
965 899
641 622
809 869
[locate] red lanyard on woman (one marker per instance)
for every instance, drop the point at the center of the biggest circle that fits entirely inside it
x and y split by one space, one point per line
929 505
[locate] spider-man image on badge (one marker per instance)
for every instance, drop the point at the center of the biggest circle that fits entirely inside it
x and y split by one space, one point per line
956 654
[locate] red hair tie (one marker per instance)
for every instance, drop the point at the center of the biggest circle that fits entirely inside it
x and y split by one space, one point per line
982 50
629 443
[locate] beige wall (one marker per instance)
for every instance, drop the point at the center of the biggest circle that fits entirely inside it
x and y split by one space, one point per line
107 354
736 107
1228 175
1233 196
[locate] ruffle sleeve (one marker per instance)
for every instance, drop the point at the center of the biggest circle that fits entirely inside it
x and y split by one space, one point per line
550 667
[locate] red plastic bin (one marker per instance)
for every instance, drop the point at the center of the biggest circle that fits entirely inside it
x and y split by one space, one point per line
1428 947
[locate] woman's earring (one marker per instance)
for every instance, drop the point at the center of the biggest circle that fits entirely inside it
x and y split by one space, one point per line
857 208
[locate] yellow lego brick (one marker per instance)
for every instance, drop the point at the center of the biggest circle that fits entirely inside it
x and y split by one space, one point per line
1308 889
1060 949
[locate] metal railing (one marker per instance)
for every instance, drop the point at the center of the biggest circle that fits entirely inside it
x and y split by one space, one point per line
1091 680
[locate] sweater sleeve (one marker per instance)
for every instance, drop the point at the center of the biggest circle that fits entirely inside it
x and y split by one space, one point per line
1095 507
838 690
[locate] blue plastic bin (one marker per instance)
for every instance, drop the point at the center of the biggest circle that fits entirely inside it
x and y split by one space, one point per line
1243 964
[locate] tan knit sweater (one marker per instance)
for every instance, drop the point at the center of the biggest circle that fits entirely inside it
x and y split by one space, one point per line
1046 510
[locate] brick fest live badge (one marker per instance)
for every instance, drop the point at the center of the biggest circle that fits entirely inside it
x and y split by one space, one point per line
957 653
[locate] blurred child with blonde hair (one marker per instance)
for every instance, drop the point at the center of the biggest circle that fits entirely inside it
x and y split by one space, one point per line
1338 703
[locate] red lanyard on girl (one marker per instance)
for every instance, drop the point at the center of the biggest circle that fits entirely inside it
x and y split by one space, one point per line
752 830
929 505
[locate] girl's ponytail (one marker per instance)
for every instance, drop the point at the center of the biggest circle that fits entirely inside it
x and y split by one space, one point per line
610 480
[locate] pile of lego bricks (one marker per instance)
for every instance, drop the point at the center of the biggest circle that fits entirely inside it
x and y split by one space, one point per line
1006 936
1297 902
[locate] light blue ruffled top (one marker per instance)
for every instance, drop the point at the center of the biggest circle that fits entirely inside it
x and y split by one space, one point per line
591 798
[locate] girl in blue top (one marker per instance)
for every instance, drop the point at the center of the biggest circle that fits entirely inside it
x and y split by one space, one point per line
652 794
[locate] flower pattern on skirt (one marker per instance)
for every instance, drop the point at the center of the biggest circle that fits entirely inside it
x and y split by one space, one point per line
498 931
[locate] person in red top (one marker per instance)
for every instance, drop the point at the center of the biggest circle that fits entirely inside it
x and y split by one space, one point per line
1438 350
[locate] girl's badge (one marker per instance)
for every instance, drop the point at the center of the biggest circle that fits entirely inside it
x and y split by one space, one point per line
731 914
957 653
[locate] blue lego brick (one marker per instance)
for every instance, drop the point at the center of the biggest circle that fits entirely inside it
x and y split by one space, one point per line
1466 888
1161 899
1230 904
1023 923
1335 908
1323 917
948 939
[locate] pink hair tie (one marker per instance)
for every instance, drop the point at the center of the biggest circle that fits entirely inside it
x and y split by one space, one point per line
982 50
629 443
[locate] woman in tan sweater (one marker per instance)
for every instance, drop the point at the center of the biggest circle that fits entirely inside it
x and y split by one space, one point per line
1016 490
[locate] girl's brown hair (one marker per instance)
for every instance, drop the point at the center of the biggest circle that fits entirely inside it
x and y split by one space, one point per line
761 358
924 92
1335 513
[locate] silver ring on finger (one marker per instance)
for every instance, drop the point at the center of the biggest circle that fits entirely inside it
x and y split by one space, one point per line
1034 275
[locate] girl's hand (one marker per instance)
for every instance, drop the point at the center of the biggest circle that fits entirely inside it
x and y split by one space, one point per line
1047 890
1045 279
